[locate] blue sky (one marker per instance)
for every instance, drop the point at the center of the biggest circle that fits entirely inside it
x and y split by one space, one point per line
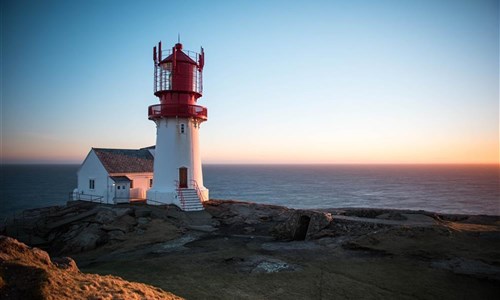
284 81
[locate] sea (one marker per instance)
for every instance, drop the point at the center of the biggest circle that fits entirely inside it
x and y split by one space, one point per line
462 189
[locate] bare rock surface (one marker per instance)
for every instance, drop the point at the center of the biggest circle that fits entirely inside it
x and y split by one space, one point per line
302 225
290 246
471 267
29 273
81 226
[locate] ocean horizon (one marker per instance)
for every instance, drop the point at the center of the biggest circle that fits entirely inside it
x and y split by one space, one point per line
441 188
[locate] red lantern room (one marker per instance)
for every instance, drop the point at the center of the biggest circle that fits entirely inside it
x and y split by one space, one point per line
178 83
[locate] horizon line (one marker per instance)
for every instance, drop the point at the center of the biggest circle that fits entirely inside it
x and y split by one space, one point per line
287 164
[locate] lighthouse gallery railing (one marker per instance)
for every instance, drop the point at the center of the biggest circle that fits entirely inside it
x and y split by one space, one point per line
177 110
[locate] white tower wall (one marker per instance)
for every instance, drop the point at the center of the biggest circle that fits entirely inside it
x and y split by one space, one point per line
177 145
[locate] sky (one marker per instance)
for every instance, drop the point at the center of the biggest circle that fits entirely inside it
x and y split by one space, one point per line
284 81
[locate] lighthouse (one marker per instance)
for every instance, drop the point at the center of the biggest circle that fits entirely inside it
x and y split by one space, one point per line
177 172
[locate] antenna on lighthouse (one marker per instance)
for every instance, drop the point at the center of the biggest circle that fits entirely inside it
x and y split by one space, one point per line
201 59
159 52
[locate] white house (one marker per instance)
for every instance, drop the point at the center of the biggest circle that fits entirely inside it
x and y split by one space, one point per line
115 175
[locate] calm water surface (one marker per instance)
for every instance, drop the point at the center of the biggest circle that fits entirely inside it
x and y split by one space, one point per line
443 188
439 188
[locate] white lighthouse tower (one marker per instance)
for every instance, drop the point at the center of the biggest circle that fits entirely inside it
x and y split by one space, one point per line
178 177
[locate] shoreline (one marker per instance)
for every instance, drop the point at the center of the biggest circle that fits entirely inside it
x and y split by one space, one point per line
236 249
349 209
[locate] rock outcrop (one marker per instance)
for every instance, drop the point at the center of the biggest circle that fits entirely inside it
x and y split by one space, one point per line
80 227
302 225
29 273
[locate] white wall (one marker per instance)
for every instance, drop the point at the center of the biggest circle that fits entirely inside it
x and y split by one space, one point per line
140 183
92 168
174 150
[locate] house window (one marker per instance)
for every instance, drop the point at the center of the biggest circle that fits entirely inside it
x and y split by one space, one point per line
91 184
118 187
131 184
150 182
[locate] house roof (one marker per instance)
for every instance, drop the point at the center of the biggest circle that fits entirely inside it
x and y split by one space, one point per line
125 160
120 178
150 147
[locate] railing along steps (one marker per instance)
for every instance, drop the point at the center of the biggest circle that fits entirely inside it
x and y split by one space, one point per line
191 200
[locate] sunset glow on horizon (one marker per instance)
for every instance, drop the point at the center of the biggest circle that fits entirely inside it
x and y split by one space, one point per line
330 82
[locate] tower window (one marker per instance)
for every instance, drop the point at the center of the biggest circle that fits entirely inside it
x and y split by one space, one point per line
183 129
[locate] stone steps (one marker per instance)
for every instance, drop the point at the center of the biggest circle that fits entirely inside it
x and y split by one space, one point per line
191 201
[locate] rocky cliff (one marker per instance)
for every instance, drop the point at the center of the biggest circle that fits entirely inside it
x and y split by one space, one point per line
30 273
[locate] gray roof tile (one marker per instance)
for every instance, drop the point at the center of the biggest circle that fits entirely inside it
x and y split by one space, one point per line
125 160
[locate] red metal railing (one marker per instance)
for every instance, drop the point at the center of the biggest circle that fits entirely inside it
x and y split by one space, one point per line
179 193
177 110
198 191
192 54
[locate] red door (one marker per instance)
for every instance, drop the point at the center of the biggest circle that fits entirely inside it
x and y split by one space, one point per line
183 177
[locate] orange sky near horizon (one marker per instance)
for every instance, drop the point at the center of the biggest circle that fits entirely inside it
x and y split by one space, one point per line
308 151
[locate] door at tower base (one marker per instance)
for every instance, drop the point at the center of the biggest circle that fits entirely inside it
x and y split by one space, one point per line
183 177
